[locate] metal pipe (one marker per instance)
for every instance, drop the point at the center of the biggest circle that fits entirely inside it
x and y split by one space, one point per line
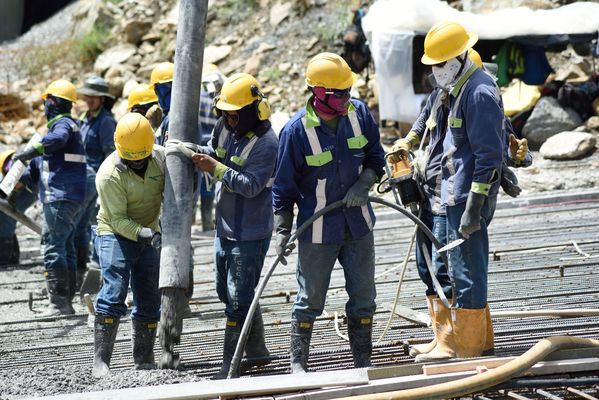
178 191
262 284
7 209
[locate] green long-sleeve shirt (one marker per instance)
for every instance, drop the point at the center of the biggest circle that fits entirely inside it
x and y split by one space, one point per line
128 202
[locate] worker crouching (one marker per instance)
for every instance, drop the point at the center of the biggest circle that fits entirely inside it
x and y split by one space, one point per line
130 184
241 156
329 151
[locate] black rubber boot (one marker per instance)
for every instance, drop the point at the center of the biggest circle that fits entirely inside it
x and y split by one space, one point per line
16 250
72 282
82 259
359 331
105 328
6 255
144 336
255 347
57 286
301 334
206 210
232 331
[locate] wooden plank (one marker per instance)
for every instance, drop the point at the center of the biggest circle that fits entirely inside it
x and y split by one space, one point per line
209 389
415 381
469 365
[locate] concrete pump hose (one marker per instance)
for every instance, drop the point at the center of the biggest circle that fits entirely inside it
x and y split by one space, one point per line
490 378
236 360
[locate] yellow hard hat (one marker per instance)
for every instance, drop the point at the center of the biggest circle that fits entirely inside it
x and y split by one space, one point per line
140 95
211 73
330 71
162 73
4 156
133 137
446 40
237 92
61 88
475 57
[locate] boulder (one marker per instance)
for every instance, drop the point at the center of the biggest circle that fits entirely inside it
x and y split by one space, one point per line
568 146
547 119
135 29
214 54
279 12
114 55
592 124
252 66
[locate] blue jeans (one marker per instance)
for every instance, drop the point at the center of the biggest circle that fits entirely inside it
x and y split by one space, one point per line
8 225
438 225
58 233
469 262
315 264
88 213
238 268
123 261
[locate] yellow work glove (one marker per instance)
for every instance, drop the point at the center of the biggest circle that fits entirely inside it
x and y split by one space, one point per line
401 144
518 148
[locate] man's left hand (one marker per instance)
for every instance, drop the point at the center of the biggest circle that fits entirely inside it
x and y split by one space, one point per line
204 162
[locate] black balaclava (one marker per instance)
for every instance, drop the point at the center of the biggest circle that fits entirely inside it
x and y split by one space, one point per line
138 166
248 119
142 108
54 106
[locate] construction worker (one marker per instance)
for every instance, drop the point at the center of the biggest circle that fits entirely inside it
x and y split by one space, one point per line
22 201
432 212
97 129
130 184
212 82
161 81
241 156
58 163
329 151
471 131
141 99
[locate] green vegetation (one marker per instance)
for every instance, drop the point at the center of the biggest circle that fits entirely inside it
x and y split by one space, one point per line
272 74
237 10
82 49
341 16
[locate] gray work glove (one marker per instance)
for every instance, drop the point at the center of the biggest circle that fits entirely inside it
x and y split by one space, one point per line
27 154
283 223
509 182
154 116
357 195
470 221
149 237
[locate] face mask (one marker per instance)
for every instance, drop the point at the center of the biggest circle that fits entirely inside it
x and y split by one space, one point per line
163 91
141 108
330 102
137 164
246 118
54 106
447 73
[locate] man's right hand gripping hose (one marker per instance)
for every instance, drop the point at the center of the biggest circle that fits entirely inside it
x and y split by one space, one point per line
283 221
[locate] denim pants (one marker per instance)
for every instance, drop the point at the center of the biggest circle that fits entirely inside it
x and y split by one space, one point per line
8 225
58 233
438 225
88 213
123 261
469 262
238 268
315 264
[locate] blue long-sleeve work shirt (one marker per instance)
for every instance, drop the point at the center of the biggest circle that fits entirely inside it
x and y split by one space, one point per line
314 175
473 147
97 132
61 170
244 193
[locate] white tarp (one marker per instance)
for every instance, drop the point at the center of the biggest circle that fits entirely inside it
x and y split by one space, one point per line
391 24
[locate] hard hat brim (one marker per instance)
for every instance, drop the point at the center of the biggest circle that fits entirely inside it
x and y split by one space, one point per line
91 92
224 106
472 39
45 95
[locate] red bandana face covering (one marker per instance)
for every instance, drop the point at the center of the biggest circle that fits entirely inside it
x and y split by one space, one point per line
330 102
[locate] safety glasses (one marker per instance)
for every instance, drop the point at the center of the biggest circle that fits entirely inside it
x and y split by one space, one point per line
232 118
337 93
